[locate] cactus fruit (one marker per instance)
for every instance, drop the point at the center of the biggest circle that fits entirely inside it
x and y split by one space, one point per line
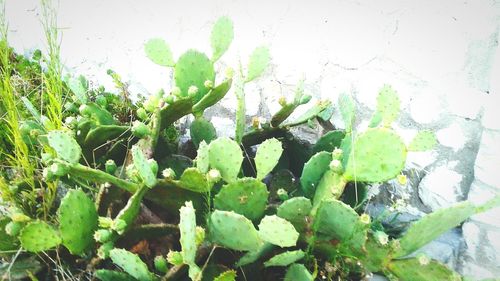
221 37
377 155
175 258
267 157
246 196
77 221
313 172
38 236
143 167
161 264
193 69
298 272
202 159
140 129
285 259
259 60
192 179
202 130
278 231
111 275
110 166
226 229
131 264
65 146
388 105
432 226
229 275
329 141
295 211
347 110
226 156
424 140
413 270
187 227
158 51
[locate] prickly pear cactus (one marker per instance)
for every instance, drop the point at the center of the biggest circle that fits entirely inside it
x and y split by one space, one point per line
131 264
226 156
7 242
329 141
424 140
226 229
65 146
158 51
376 155
212 97
347 110
202 130
313 172
77 221
278 231
221 38
111 275
298 272
267 157
193 69
388 105
295 211
331 186
259 59
202 158
143 167
246 196
187 227
415 270
194 180
229 275
285 259
38 236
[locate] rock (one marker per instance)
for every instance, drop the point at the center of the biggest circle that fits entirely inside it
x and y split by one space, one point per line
480 193
481 257
223 126
426 108
491 116
453 137
445 248
440 188
488 158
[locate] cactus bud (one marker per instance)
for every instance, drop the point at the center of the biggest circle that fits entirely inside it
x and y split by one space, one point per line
256 122
282 194
154 166
152 103
170 99
200 235
110 166
71 122
365 218
142 114
282 101
423 259
402 180
103 251
176 91
140 129
103 235
119 225
336 166
102 101
105 222
208 84
161 264
381 237
59 169
214 175
175 258
305 99
168 173
337 153
229 73
48 175
192 90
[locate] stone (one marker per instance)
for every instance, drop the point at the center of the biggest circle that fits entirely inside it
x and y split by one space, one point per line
426 108
445 248
441 188
223 126
488 159
480 193
481 257
452 136
491 115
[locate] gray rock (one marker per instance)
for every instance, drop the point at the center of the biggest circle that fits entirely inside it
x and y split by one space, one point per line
481 258
441 188
488 158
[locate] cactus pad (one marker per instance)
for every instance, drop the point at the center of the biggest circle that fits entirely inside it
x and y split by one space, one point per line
298 272
295 211
432 226
193 69
313 171
267 157
259 59
202 159
234 231
111 275
212 97
202 130
413 270
329 141
65 146
159 52
222 35
246 196
347 110
193 180
285 259
376 155
187 227
331 186
253 256
38 236
388 105
278 231
131 264
229 275
77 221
144 168
424 140
226 156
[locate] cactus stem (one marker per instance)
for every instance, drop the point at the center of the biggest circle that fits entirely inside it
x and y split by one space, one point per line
80 171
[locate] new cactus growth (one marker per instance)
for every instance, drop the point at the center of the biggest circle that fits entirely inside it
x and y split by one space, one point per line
39 236
187 227
267 157
226 156
65 146
202 130
221 38
159 52
313 171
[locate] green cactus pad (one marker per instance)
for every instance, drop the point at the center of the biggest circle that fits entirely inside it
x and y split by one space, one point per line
202 130
111 275
98 114
38 236
159 52
212 97
226 156
295 211
193 180
376 155
246 196
77 221
388 105
253 256
336 220
313 172
7 242
187 227
202 159
131 264
229 275
144 168
126 217
267 157
424 140
413 270
222 36
285 259
79 89
347 110
331 186
259 60
432 226
234 231
278 231
310 114
329 141
65 146
298 272
104 133
193 69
